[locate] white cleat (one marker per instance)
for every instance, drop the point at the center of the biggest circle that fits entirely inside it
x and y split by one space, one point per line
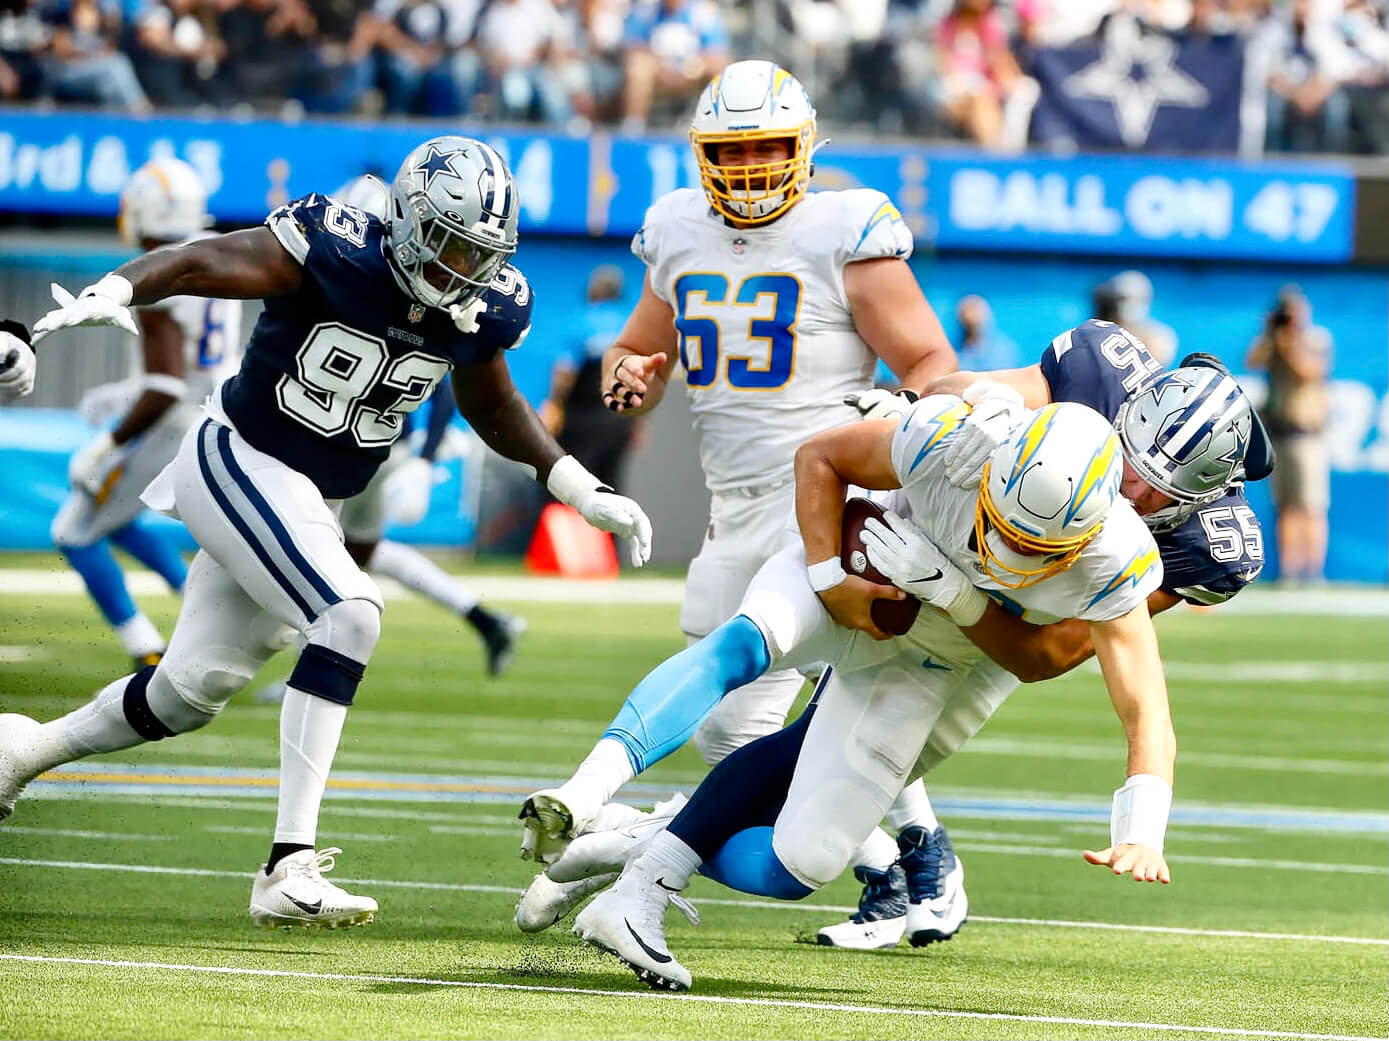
628 921
603 852
546 903
937 905
296 895
551 819
18 738
881 919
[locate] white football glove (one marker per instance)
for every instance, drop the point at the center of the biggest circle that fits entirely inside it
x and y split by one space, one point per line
881 404
996 410
107 302
17 367
907 556
608 511
573 485
90 464
408 489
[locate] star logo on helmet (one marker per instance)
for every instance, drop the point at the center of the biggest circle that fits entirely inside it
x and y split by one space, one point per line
436 163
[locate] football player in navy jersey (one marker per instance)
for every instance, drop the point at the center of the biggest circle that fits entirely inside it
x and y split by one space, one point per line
362 319
1190 437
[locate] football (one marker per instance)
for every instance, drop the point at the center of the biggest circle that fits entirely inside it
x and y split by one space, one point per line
891 616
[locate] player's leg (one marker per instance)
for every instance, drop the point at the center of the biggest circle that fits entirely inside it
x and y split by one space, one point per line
363 519
271 529
157 550
934 875
221 638
81 529
782 623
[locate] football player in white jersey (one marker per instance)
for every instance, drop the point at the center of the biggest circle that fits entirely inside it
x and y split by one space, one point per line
777 303
1044 529
189 345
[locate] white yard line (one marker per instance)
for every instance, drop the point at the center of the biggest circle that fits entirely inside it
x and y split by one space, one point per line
709 999
778 905
1343 601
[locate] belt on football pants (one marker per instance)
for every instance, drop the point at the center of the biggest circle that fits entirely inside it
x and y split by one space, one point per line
756 491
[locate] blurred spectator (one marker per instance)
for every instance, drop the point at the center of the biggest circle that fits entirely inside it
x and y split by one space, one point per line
1297 356
976 70
1365 36
340 69
574 412
178 50
83 63
1127 300
586 56
1307 110
24 38
412 39
674 47
514 37
979 345
267 44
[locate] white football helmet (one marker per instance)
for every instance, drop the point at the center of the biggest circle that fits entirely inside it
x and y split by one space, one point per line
1186 433
754 101
367 193
1045 493
164 200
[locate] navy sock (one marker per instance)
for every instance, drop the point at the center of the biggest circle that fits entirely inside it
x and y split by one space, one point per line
280 850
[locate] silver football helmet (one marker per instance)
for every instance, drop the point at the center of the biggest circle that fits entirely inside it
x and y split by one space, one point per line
453 217
367 193
1186 433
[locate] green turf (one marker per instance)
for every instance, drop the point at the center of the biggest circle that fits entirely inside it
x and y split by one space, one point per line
1312 743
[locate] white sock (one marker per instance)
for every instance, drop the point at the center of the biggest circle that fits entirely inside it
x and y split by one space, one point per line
139 637
414 570
606 769
309 731
98 726
913 806
879 851
670 861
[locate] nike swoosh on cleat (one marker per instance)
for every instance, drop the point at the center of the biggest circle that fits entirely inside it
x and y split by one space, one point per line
654 954
313 908
669 889
928 578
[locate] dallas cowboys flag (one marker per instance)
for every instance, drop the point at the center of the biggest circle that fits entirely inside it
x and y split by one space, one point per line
1141 91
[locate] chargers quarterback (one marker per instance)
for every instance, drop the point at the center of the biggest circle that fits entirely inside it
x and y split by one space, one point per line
362 319
1204 474
1042 528
776 302
189 345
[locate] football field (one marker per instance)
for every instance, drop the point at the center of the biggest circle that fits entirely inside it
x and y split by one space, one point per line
124 879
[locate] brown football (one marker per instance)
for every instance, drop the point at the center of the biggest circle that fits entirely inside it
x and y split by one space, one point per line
891 616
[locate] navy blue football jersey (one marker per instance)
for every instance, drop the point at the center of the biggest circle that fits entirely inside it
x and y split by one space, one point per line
1216 551
332 370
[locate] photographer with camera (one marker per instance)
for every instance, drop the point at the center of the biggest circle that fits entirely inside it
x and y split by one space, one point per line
1297 356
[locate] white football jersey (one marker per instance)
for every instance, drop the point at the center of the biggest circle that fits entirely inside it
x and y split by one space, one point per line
1113 574
767 341
211 340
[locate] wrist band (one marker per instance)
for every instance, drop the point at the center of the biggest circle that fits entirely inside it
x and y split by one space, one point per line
112 287
1140 810
826 575
967 608
163 383
570 482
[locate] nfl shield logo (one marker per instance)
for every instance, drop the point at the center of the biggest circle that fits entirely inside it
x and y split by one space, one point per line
416 312
739 244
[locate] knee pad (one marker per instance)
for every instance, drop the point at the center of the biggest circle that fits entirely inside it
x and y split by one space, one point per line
349 628
206 679
155 708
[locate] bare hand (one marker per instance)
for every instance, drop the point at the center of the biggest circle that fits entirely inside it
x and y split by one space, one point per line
628 385
1145 863
851 604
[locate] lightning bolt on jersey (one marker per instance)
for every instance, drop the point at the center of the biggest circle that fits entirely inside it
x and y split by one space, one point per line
1216 551
332 369
766 337
211 339
1113 574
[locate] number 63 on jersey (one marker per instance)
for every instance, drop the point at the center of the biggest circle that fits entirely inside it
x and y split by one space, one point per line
713 344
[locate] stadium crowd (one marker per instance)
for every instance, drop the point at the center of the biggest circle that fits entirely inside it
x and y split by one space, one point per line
942 68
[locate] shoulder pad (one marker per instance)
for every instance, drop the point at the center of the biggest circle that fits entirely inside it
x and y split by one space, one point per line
1125 580
647 242
318 223
1097 364
926 426
872 226
1215 552
507 319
